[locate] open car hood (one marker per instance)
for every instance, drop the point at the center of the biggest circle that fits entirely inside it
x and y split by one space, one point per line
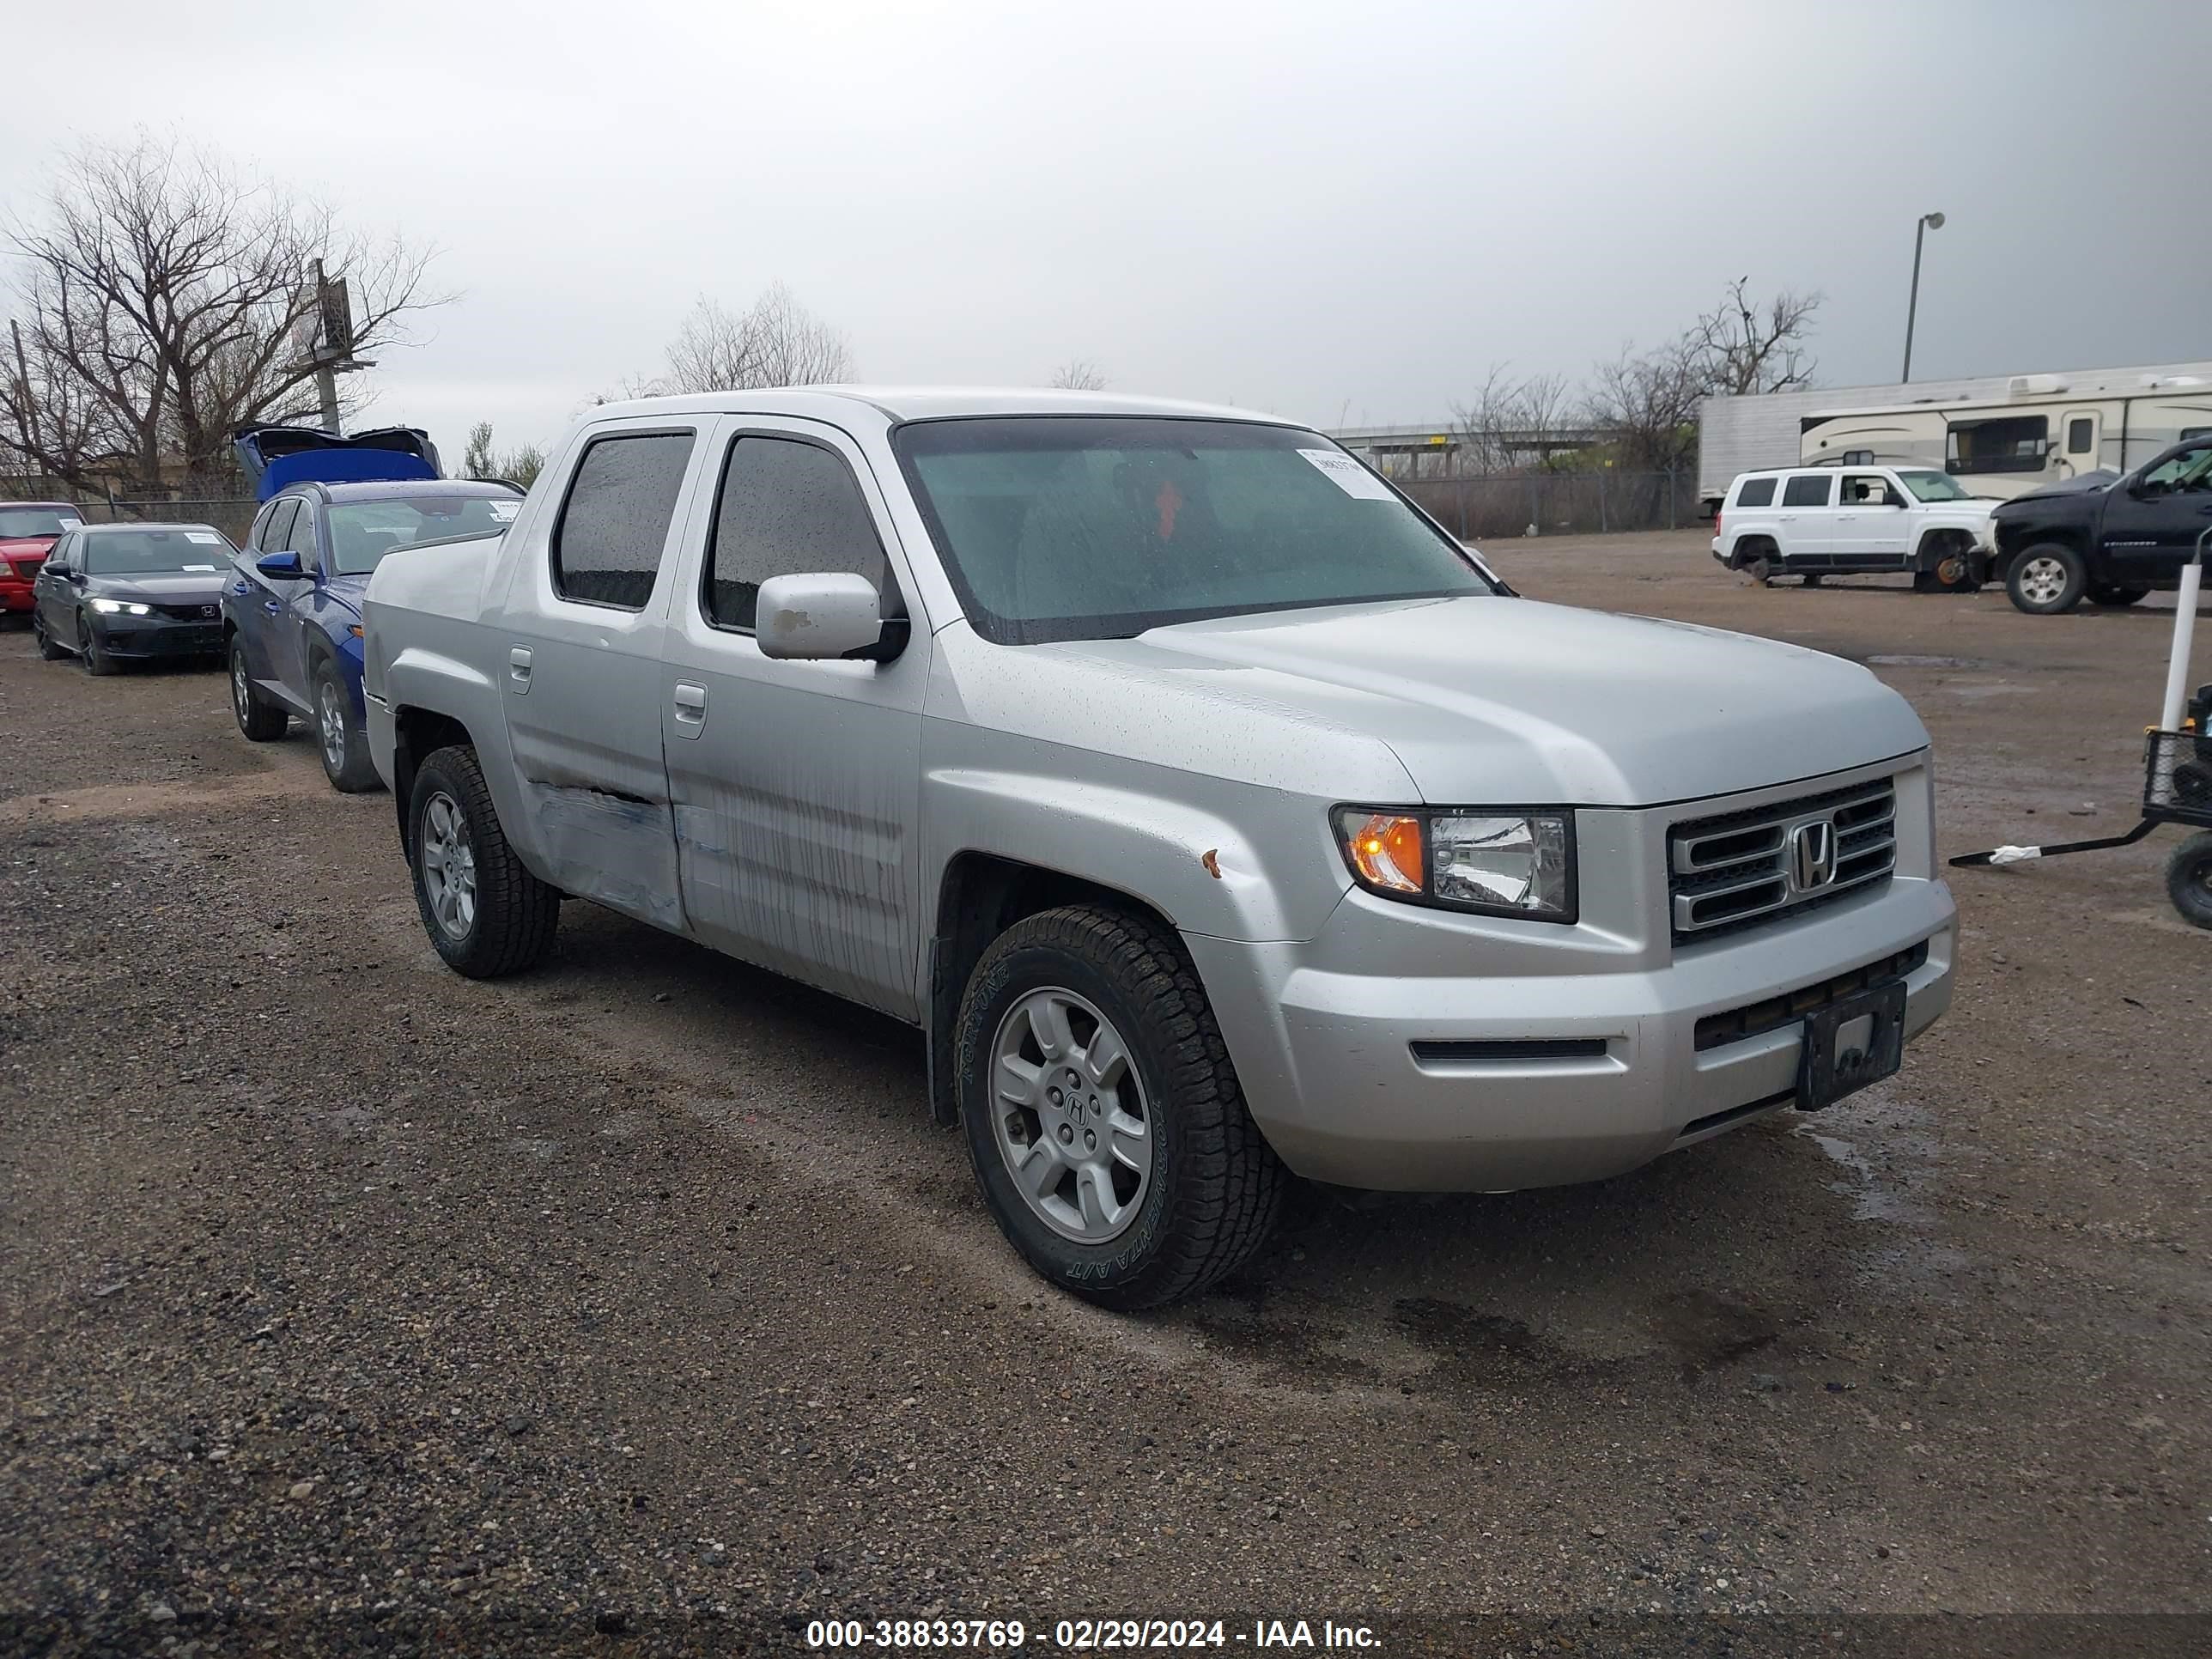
275 456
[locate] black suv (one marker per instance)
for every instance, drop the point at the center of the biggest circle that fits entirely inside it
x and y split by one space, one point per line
2106 539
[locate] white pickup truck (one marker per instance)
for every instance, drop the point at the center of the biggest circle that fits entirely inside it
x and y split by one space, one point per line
1214 813
1816 521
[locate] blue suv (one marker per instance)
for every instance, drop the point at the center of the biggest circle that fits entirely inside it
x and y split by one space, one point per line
291 610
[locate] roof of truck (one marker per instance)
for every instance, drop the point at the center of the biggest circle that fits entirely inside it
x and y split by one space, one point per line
914 403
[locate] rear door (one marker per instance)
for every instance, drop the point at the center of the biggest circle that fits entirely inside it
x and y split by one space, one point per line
577 647
1870 528
796 785
1806 515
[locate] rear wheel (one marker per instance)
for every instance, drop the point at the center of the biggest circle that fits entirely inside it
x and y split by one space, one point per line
1102 1115
486 915
2189 879
2046 580
261 720
339 735
2117 593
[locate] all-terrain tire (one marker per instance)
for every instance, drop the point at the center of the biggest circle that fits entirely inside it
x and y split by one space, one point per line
1215 1187
511 915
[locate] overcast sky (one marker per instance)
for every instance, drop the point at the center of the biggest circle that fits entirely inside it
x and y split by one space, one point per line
1343 212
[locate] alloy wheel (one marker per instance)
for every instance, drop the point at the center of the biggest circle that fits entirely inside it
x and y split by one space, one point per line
330 720
2041 582
449 866
1070 1116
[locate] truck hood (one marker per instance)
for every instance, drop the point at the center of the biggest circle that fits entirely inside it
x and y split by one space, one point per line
2085 483
25 547
1512 701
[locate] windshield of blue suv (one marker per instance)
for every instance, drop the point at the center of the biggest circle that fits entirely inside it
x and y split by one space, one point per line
362 532
1060 527
184 548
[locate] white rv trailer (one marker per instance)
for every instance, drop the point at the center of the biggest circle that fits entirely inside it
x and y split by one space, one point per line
1999 435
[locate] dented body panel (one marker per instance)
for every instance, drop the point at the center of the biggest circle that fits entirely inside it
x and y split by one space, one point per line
808 815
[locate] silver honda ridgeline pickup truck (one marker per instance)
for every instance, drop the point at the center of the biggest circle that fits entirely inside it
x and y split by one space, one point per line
1210 809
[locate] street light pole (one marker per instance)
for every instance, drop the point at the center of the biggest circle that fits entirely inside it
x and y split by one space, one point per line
1928 222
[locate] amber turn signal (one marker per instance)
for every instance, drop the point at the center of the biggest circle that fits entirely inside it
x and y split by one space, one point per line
1385 851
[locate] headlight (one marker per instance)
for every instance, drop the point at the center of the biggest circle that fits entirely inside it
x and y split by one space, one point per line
114 607
1509 863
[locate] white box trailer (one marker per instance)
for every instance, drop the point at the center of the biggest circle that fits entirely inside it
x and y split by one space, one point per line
2000 435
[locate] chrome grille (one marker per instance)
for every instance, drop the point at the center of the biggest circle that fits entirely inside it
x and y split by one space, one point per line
1743 869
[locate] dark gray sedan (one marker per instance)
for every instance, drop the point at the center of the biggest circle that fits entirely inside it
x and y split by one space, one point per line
111 594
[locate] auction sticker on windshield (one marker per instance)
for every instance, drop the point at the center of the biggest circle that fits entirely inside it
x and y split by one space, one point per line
1347 475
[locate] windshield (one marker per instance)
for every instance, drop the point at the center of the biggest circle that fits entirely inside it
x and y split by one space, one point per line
1935 487
362 532
36 521
1058 527
170 551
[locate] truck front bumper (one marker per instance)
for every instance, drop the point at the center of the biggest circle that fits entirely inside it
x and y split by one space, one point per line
1550 1077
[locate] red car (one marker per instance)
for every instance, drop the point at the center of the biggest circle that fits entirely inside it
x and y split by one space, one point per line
27 530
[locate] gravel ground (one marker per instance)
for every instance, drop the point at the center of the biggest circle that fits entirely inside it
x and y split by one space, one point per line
635 1306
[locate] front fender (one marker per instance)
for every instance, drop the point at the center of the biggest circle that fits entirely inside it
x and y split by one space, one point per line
421 678
1271 873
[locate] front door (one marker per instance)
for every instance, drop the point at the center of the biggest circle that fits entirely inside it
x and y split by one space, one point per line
796 785
287 634
1870 530
2151 522
578 649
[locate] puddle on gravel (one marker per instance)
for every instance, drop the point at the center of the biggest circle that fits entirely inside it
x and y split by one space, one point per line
1887 1193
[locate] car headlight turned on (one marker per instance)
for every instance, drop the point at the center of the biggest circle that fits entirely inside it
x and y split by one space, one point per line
120 608
1502 862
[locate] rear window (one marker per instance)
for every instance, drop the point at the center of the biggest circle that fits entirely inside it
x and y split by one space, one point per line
614 526
1756 492
362 532
1807 489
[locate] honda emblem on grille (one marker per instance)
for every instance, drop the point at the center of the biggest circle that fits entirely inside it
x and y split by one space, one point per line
1813 855
210 611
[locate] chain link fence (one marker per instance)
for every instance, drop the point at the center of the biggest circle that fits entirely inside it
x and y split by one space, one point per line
1557 503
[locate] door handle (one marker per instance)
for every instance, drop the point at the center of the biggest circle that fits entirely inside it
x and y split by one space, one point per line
518 670
691 704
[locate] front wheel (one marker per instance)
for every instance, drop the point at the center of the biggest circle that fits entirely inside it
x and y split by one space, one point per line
1102 1115
1950 571
2046 580
486 915
47 647
261 721
89 652
2189 879
339 735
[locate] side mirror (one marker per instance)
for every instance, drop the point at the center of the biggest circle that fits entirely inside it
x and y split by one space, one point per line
824 617
1893 499
281 566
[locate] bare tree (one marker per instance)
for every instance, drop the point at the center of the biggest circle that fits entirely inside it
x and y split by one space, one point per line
1743 346
159 303
1508 420
1649 401
1078 375
481 460
776 341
